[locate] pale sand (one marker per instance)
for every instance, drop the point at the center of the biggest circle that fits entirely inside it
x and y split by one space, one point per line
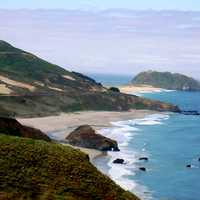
16 83
130 89
60 126
4 89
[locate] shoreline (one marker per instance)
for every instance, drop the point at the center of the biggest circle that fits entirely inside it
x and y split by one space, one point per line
125 131
134 89
58 127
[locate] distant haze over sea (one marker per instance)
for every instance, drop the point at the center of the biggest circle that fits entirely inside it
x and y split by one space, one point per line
115 41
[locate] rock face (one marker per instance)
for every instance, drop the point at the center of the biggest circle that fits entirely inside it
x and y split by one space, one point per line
167 80
12 127
85 136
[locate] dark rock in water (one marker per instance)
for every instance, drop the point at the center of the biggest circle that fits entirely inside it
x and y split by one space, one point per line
190 112
143 169
189 166
119 161
144 158
85 136
9 126
199 159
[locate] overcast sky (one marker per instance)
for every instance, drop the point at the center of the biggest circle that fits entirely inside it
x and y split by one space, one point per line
120 41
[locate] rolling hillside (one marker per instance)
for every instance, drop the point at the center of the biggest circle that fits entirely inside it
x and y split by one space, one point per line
30 86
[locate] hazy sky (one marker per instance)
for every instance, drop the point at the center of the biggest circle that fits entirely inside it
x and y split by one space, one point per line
103 4
121 41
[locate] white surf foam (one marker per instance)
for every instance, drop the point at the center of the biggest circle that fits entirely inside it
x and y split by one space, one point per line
123 132
151 92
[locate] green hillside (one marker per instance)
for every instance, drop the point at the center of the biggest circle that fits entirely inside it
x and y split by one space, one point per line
167 80
38 170
30 86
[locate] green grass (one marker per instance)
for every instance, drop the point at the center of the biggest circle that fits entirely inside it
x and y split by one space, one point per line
31 169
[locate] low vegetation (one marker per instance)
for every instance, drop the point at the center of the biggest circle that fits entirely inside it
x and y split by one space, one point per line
39 88
38 170
167 80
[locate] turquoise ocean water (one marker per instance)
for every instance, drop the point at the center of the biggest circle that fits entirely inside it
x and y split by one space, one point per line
170 141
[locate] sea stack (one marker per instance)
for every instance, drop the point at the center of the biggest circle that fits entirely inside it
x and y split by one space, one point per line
85 136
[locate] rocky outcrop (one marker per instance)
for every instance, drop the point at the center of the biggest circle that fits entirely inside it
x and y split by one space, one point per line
167 80
12 127
119 161
143 169
85 136
144 158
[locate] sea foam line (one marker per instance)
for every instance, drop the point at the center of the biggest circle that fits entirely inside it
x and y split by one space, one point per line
142 92
123 132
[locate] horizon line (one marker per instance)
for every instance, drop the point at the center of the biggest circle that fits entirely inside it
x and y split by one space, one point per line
99 10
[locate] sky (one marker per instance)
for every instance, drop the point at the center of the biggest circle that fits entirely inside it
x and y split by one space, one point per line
103 4
109 40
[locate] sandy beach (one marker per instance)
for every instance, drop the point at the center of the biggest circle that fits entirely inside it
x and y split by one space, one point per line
130 89
60 126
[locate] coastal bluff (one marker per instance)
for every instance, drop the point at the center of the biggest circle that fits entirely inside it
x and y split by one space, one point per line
166 80
32 87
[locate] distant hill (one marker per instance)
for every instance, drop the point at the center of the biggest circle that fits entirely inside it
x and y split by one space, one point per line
34 169
167 80
30 86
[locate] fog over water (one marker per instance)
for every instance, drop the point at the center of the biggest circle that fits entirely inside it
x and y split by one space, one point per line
111 41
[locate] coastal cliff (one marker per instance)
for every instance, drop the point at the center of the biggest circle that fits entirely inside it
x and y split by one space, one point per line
167 80
30 86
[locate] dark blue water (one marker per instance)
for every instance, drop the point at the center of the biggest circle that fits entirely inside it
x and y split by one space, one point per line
171 146
111 79
170 141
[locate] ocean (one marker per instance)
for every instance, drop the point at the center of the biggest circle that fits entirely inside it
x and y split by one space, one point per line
111 80
170 141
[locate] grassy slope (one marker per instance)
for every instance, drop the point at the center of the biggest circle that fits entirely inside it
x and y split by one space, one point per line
31 169
78 93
